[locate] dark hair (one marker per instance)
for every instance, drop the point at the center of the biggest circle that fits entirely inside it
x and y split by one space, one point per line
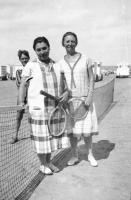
25 52
69 33
39 40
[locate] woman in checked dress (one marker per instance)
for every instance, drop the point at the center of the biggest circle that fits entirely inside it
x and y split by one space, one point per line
80 80
43 78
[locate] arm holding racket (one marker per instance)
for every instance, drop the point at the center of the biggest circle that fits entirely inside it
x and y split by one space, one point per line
90 74
64 97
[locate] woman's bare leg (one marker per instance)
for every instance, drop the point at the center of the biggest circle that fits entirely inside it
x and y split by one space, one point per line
88 145
74 151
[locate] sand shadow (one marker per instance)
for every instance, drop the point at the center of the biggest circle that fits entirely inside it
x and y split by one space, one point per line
101 150
61 161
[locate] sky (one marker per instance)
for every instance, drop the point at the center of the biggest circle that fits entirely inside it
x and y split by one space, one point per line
103 28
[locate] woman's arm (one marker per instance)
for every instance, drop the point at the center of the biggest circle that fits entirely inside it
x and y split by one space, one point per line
22 91
18 78
64 91
90 74
25 78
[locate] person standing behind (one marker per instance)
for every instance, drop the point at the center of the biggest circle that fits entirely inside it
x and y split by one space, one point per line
80 80
24 58
40 107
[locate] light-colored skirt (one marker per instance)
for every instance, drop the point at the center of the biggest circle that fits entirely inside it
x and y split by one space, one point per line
43 142
85 127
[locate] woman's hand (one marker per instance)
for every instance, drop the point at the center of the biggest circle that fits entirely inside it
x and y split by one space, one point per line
64 97
88 100
22 105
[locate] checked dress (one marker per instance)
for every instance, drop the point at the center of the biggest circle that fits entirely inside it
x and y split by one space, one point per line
40 107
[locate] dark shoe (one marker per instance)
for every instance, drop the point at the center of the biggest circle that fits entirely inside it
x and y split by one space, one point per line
73 161
53 168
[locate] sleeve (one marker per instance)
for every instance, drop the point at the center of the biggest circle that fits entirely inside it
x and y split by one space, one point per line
27 70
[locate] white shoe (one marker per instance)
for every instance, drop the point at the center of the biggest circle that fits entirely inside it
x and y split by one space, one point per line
74 160
45 170
92 160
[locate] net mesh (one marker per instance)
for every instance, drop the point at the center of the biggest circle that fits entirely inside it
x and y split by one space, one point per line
18 163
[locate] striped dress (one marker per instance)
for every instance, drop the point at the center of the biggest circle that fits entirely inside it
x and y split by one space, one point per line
40 107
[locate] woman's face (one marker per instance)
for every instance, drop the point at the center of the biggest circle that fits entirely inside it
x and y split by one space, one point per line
24 59
70 44
42 50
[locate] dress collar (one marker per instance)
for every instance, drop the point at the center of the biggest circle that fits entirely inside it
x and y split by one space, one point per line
50 65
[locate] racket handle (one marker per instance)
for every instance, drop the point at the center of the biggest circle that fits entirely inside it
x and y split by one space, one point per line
28 79
49 95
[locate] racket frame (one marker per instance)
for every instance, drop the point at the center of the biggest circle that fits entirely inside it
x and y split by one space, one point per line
49 121
60 106
82 101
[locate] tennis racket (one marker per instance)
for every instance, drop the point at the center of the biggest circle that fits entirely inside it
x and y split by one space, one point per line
57 118
77 109
50 96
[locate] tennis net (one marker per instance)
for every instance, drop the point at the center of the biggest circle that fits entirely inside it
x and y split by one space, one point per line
18 162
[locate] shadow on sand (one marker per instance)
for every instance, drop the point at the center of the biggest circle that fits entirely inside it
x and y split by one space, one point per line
101 150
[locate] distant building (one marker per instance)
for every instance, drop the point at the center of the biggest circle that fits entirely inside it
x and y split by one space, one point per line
9 71
3 72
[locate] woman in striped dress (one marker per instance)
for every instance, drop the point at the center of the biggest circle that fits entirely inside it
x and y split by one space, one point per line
79 75
43 78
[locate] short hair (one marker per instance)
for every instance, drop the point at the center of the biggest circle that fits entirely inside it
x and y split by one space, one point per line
69 33
25 52
39 40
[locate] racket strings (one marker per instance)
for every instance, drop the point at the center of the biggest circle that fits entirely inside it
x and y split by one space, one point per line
77 109
57 121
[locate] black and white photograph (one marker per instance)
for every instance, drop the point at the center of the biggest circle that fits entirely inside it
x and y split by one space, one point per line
65 98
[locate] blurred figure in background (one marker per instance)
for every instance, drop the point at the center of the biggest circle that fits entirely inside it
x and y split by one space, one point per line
24 58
